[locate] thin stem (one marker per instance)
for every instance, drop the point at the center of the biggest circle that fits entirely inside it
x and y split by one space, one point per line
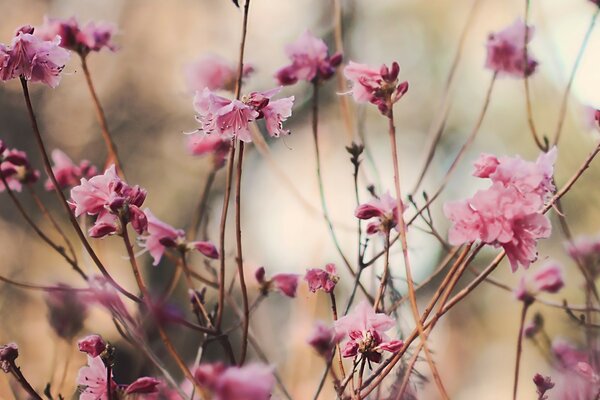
108 140
201 208
109 391
404 242
526 305
48 168
334 313
565 98
16 372
384 278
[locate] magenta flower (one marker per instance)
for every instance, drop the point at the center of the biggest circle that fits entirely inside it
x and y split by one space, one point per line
109 197
384 210
161 235
310 61
548 278
323 339
286 284
506 51
94 36
508 213
67 173
377 86
93 345
94 378
16 169
231 118
250 382
217 147
213 72
542 384
567 354
322 279
8 355
32 58
586 249
366 333
144 385
66 312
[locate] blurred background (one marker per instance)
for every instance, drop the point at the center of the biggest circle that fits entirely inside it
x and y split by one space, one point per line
148 105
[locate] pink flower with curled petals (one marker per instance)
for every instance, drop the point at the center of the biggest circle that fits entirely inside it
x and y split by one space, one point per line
144 385
250 382
322 279
16 169
67 173
586 250
93 345
275 113
376 86
542 384
206 248
310 61
32 58
213 72
217 147
93 195
506 51
94 36
384 209
286 284
548 278
323 339
366 333
93 377
567 354
8 355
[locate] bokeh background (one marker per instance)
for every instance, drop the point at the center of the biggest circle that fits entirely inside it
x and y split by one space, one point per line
148 106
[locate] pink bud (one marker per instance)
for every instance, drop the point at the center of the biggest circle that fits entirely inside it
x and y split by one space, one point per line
336 59
259 274
145 385
138 219
93 345
206 248
286 283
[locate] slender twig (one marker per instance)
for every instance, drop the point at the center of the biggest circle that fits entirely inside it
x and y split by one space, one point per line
18 375
106 136
526 305
200 210
73 220
384 277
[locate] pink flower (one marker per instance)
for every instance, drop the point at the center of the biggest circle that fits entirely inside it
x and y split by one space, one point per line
323 339
377 86
250 382
567 354
161 235
586 249
384 209
322 279
16 169
548 278
506 51
542 384
213 72
66 312
32 58
109 197
103 293
201 144
310 61
144 385
67 173
93 377
286 284
8 355
94 36
93 345
366 331
231 118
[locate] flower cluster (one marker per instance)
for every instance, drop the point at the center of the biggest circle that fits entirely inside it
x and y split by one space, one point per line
366 333
548 278
310 61
214 145
508 213
82 39
231 118
380 87
324 279
385 212
286 284
66 311
250 382
213 72
112 200
160 236
323 339
67 173
506 51
15 169
32 58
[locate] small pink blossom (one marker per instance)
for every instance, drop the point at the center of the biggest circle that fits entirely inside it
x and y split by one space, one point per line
286 284
231 118
309 61
542 384
323 339
93 345
213 72
208 249
586 250
67 173
94 36
384 210
93 377
32 58
506 51
66 311
16 169
144 385
567 354
322 279
201 144
366 331
548 278
250 382
8 355
377 86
